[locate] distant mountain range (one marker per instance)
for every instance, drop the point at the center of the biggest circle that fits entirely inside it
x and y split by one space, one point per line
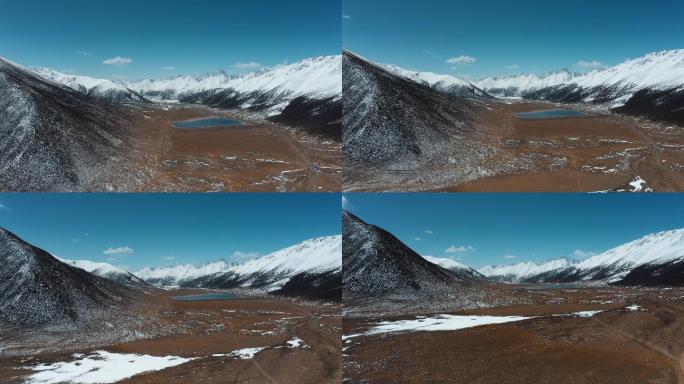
655 259
651 85
306 93
311 268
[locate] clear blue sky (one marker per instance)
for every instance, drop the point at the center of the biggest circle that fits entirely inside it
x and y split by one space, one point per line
165 229
195 37
527 36
484 228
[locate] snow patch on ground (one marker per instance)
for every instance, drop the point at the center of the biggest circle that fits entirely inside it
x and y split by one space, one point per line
101 367
436 323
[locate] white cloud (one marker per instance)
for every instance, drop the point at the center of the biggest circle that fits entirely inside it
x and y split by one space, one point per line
417 238
74 240
245 255
589 64
508 257
583 254
250 65
3 207
512 66
111 259
169 257
460 249
125 250
119 61
345 202
429 232
346 16
168 68
463 59
84 53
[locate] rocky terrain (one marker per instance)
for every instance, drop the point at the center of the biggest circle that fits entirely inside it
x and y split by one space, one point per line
54 138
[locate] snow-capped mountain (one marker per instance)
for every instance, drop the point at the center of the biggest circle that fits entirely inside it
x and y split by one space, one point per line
316 77
445 83
524 271
651 85
517 85
662 251
391 118
107 271
36 288
378 265
99 88
317 261
305 94
54 138
455 266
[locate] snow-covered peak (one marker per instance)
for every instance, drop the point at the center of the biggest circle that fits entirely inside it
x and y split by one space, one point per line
446 263
527 82
656 247
434 80
183 271
525 269
318 77
78 83
658 70
94 267
315 255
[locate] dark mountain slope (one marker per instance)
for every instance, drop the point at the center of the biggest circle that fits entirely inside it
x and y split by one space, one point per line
54 138
376 264
389 118
37 289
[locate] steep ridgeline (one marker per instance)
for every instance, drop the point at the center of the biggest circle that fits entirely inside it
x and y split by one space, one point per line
460 269
306 94
651 86
655 259
37 289
107 271
444 83
311 269
53 138
378 266
390 118
103 89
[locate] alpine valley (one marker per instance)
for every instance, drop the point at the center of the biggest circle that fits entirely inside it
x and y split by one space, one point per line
613 317
277 129
78 321
619 128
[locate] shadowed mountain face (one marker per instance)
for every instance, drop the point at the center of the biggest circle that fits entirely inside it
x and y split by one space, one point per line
377 265
55 139
389 118
37 289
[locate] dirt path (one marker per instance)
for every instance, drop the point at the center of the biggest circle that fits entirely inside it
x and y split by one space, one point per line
677 362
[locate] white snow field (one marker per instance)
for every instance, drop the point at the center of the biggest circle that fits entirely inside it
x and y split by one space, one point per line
101 367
